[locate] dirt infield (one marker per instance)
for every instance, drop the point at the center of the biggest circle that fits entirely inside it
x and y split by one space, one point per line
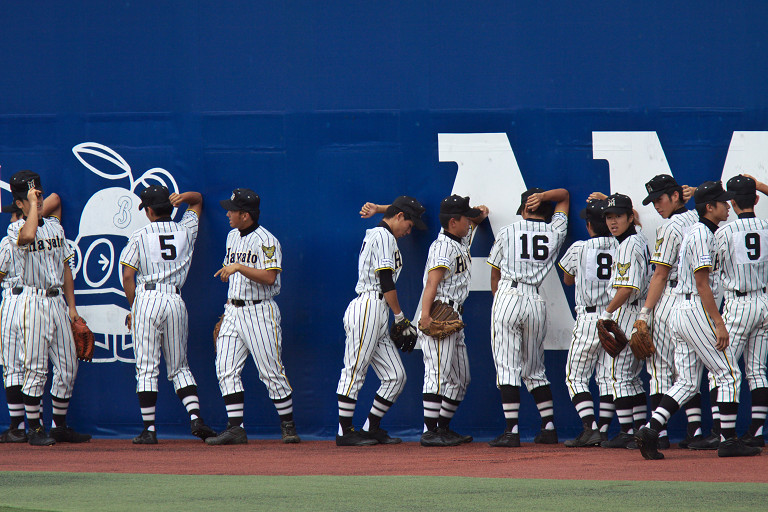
188 457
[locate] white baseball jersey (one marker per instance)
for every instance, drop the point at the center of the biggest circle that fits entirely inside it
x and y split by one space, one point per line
697 251
590 263
633 266
525 251
451 253
46 257
379 252
161 251
11 265
257 249
742 248
668 239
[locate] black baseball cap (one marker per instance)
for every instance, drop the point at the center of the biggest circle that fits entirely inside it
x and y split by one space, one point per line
22 182
413 208
242 200
155 196
742 186
11 208
617 203
659 185
594 210
458 205
525 195
712 191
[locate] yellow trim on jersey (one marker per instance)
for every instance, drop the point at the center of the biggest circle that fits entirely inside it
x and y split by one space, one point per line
439 266
274 268
3 273
127 265
661 263
70 257
384 268
625 286
360 348
565 271
491 264
701 267
55 217
561 211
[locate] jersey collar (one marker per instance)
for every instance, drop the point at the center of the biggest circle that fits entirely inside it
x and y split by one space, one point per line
452 236
164 219
250 229
711 225
682 209
384 225
747 215
628 233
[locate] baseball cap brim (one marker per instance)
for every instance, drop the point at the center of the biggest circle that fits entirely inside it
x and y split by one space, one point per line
655 195
228 205
419 224
10 208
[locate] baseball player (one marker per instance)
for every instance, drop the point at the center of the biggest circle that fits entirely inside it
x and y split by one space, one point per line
251 322
522 255
366 320
629 282
744 276
11 339
447 276
665 366
49 302
155 264
697 322
588 264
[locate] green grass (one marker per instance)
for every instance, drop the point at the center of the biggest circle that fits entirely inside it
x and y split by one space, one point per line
26 492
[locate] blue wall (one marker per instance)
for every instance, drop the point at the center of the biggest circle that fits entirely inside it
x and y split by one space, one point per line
320 106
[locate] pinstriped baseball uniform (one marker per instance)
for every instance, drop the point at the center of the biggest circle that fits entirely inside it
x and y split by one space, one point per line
11 339
366 319
631 270
691 323
251 323
742 250
46 323
524 252
590 262
446 366
161 253
662 366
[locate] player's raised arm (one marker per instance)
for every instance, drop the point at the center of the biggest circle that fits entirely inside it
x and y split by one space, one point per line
369 209
484 211
194 201
52 206
759 185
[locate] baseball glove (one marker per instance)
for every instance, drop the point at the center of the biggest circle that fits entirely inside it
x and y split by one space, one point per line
445 321
612 338
403 335
640 342
216 329
83 339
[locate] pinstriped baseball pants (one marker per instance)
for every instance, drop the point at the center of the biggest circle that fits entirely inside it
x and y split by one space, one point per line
746 319
368 344
586 355
692 325
446 366
11 339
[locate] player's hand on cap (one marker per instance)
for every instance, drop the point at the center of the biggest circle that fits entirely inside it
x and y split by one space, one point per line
176 199
688 192
33 194
533 202
368 210
597 195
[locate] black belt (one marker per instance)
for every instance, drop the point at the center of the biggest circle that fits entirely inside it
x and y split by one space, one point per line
672 284
458 307
591 309
242 303
514 284
153 286
635 302
50 292
744 294
688 296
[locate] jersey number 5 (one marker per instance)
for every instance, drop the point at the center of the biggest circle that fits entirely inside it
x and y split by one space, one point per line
167 249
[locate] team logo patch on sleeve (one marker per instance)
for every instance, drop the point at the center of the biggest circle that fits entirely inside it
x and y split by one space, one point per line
659 241
623 268
269 252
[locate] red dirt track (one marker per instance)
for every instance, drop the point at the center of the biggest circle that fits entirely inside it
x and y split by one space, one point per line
271 457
